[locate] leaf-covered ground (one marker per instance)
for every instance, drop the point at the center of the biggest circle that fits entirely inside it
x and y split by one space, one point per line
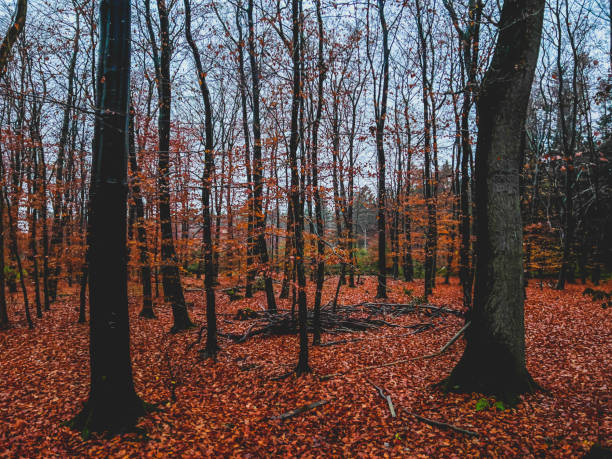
224 408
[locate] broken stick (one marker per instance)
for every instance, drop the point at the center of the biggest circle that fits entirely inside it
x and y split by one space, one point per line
398 362
300 410
447 345
442 425
387 398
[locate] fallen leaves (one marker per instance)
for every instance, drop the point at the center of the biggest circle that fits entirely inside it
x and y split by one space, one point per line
225 408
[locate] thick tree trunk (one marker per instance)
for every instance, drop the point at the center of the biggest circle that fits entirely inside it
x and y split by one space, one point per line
113 405
494 358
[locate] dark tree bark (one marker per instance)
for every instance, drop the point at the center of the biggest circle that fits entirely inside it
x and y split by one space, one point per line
320 269
16 254
113 405
42 205
209 267
335 138
59 219
380 108
141 232
5 51
247 150
469 41
4 318
408 264
171 280
12 35
33 224
430 238
494 358
567 123
259 219
297 207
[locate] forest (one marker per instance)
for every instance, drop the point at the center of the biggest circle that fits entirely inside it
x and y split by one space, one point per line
321 228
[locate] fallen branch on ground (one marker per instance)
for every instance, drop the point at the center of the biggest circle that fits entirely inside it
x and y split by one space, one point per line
443 425
418 328
300 410
398 362
342 321
387 398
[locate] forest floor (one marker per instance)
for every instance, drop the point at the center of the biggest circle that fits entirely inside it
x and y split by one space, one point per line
227 407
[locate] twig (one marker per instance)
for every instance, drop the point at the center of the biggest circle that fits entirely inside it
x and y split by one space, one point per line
342 341
282 376
447 345
398 362
387 398
300 410
443 425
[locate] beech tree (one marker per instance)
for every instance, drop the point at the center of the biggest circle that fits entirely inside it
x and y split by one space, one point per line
209 268
380 113
171 278
5 52
297 204
494 358
113 405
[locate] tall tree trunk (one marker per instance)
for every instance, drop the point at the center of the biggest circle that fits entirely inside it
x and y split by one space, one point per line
141 232
209 267
261 248
568 142
496 334
320 270
58 227
247 152
14 244
11 36
297 204
4 318
33 231
430 236
113 405
408 263
381 115
5 51
335 185
469 41
171 280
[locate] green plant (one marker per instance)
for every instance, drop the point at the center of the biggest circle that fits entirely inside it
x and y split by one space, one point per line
500 405
481 404
484 403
